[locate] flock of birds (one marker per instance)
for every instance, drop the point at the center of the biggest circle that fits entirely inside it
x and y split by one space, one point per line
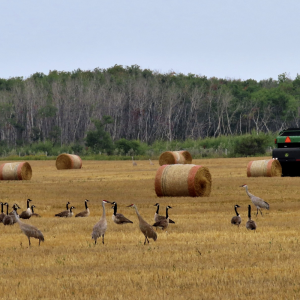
100 227
258 202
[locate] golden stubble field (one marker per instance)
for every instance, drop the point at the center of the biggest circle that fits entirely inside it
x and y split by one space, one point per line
201 257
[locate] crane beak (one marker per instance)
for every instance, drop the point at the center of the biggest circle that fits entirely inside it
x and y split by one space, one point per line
130 205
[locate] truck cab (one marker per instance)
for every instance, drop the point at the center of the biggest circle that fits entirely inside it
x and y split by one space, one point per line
288 151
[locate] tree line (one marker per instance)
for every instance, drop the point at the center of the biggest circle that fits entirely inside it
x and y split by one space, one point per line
143 105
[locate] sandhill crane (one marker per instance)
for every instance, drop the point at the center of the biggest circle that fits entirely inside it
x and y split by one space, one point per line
64 213
84 213
163 223
100 227
157 217
236 220
15 208
251 225
33 213
133 162
8 219
27 213
119 218
145 228
30 231
151 163
258 202
2 215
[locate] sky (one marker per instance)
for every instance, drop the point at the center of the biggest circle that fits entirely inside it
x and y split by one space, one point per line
236 39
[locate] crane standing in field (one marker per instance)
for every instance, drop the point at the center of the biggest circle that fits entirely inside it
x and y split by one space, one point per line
29 230
100 227
145 228
258 202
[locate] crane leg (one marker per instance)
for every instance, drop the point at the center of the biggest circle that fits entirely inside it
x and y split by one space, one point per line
95 241
257 211
145 240
103 239
260 212
29 241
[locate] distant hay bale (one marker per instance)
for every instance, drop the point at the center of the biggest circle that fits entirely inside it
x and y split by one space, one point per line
183 180
68 161
264 168
175 157
15 171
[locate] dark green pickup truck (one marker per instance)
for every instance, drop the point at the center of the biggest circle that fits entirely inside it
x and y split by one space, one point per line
288 151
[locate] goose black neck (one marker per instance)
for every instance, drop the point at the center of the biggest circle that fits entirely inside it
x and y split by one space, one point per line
157 209
2 208
27 203
249 211
32 209
67 206
167 215
86 207
115 209
236 211
7 209
71 209
15 208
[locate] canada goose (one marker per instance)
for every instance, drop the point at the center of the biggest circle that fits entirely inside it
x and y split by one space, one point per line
30 231
27 213
64 213
86 212
157 217
145 228
119 218
100 227
7 220
258 202
251 225
2 215
163 223
236 220
133 162
33 213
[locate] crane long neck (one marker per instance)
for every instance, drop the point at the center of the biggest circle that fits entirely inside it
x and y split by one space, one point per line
103 215
246 187
236 211
138 214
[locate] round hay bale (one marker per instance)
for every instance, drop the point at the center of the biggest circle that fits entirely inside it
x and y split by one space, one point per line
68 161
183 180
264 168
175 157
15 171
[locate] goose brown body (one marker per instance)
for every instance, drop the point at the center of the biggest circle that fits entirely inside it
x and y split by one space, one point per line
145 228
236 220
27 213
33 213
64 213
84 213
119 218
163 223
157 217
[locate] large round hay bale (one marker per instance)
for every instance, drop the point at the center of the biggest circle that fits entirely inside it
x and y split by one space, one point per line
175 157
15 171
264 168
183 180
68 161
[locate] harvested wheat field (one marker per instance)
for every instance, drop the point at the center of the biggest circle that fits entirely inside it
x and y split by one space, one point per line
201 257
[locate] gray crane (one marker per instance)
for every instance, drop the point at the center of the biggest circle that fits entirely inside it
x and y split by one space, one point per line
258 202
250 225
119 218
236 220
15 208
84 213
163 223
29 230
28 212
151 163
100 228
145 228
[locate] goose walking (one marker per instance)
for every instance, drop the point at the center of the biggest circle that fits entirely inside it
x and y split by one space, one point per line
84 213
8 219
250 225
33 213
163 223
27 213
30 231
64 213
2 215
100 228
236 220
258 202
119 218
145 228
157 217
